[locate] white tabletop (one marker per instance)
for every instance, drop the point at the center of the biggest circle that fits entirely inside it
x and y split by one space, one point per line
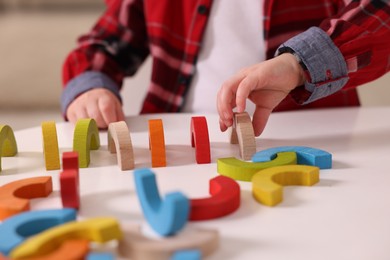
345 216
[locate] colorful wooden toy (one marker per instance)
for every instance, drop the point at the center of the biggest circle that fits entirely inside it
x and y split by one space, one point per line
8 145
305 155
14 230
50 145
69 189
187 255
167 216
95 229
244 171
85 138
70 161
225 199
100 256
244 135
119 142
14 196
157 143
75 249
267 184
137 246
200 139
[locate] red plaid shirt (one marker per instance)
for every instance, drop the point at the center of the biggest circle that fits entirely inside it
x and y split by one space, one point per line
171 31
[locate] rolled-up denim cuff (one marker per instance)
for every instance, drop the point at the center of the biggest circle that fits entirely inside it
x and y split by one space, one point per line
325 64
84 82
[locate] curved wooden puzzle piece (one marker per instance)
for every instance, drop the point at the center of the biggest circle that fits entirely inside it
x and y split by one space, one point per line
200 139
50 145
157 143
244 171
167 216
244 135
119 142
305 155
187 255
75 249
267 185
69 189
14 196
85 138
8 145
95 229
137 246
14 230
100 256
225 199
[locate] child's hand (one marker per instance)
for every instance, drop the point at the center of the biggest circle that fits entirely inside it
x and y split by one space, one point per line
99 104
266 84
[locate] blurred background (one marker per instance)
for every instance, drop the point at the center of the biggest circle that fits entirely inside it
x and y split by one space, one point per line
36 36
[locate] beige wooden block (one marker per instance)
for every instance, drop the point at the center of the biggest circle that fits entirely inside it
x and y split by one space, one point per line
119 142
244 135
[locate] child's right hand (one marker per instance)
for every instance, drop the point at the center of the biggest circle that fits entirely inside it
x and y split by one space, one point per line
99 104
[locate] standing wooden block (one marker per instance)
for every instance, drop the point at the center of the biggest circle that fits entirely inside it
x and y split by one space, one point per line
267 185
244 135
95 229
50 145
225 199
85 138
69 188
14 196
70 161
119 142
136 246
8 145
200 139
157 143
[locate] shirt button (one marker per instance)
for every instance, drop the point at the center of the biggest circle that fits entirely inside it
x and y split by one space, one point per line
183 80
202 9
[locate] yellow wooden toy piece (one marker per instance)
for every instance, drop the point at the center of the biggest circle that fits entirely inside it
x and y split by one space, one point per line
50 145
244 171
119 142
267 185
8 145
95 229
85 138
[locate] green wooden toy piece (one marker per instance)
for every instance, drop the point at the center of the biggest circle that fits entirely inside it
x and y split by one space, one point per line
244 171
85 138
8 145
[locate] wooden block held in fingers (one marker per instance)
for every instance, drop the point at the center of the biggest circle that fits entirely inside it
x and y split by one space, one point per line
200 139
245 135
267 185
8 145
14 196
119 142
50 145
157 143
85 138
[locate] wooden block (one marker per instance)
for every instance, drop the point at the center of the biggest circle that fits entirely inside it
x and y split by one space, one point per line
2 257
14 230
95 229
14 196
244 135
75 249
187 255
70 161
100 256
85 138
200 139
305 155
157 143
225 199
119 142
244 171
136 246
50 145
69 188
267 185
167 216
8 145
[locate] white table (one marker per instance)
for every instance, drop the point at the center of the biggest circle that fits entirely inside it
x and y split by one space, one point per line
345 216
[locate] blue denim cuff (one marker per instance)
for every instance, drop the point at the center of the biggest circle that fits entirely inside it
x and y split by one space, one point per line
84 82
324 62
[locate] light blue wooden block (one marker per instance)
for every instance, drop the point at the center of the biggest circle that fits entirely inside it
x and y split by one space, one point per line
305 155
187 255
166 217
14 230
100 256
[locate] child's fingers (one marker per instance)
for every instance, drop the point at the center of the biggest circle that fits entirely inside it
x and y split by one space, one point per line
120 116
107 108
95 113
260 118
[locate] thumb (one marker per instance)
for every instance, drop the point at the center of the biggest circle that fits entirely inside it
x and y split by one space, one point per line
260 119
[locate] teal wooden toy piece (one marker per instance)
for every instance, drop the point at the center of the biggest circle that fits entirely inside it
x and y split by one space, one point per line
8 147
14 230
305 155
167 216
85 138
244 171
100 256
187 255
